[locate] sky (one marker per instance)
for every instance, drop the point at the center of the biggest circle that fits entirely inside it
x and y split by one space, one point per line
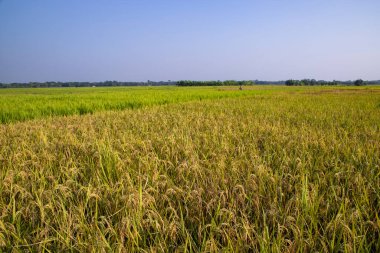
140 40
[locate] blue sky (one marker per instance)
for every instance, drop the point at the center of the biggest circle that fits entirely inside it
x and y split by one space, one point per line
139 40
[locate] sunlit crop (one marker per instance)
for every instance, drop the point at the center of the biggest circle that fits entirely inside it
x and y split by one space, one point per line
273 169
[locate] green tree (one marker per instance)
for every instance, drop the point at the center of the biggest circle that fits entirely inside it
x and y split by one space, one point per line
359 82
290 82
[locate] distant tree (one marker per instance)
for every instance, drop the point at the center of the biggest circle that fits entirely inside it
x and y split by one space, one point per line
309 82
229 82
306 82
289 82
359 82
213 83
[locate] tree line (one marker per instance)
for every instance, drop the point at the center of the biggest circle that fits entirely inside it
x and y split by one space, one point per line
83 84
291 82
312 82
214 83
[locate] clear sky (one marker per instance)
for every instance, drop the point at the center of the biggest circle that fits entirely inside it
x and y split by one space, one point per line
139 40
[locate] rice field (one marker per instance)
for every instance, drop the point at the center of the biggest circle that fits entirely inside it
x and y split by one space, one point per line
25 104
266 169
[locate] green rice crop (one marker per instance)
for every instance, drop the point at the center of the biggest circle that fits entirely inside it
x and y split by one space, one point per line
273 170
24 104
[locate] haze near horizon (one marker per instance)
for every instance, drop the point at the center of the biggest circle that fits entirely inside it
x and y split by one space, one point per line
197 40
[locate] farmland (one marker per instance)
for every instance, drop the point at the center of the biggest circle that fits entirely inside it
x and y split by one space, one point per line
269 169
24 104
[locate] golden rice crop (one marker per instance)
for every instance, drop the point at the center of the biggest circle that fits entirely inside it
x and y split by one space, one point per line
279 172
